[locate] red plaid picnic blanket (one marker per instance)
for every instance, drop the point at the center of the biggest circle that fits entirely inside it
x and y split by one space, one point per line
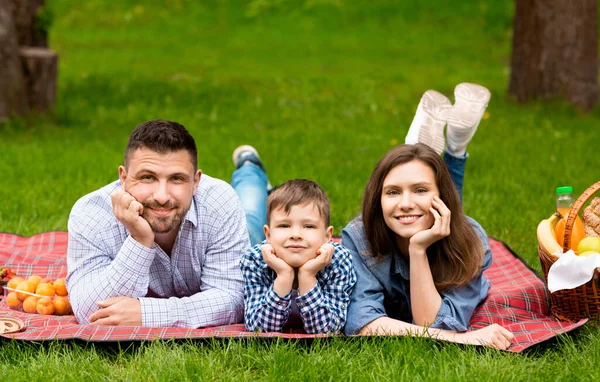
517 300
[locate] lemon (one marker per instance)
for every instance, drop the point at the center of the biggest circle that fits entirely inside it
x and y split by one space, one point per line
589 243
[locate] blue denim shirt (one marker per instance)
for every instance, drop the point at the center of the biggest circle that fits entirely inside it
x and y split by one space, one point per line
383 286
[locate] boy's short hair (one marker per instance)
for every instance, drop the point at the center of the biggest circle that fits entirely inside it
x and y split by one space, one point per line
298 192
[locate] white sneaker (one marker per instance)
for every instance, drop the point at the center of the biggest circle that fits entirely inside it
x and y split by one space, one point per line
430 118
471 100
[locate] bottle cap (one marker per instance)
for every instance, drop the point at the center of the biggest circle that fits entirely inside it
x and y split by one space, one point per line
564 190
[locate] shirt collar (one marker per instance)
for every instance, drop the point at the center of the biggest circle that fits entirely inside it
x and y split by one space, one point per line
192 215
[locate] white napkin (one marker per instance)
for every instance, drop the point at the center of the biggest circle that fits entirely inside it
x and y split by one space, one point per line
571 271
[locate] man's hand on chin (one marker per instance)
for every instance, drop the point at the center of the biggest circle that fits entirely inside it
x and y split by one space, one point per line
119 310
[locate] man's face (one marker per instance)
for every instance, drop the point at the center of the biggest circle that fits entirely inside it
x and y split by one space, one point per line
297 236
163 183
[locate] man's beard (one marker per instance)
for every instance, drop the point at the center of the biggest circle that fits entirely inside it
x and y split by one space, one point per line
163 224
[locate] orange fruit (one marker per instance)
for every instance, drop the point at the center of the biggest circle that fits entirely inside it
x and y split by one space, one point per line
46 280
29 305
25 286
577 233
60 287
12 284
13 301
45 306
45 289
34 279
62 305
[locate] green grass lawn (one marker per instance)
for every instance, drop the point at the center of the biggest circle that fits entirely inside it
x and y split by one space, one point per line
322 89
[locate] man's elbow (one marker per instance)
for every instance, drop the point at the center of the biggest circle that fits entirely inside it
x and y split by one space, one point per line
81 314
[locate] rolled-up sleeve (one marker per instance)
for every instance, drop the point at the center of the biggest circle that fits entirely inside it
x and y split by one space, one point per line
366 299
97 269
265 310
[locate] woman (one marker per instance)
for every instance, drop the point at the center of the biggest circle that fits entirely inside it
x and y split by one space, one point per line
418 258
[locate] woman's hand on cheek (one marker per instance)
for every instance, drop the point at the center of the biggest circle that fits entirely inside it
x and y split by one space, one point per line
420 241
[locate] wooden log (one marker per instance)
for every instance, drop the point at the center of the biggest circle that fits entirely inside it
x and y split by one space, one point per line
13 97
40 69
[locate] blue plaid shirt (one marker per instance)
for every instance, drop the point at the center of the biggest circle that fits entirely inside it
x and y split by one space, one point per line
322 310
200 284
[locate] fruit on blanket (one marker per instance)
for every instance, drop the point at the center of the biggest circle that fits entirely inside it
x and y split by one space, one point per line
589 243
13 301
34 279
48 297
14 282
46 280
45 289
6 274
60 287
45 306
62 306
545 234
30 304
25 286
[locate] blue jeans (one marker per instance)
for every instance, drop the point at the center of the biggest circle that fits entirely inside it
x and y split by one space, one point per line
456 166
250 183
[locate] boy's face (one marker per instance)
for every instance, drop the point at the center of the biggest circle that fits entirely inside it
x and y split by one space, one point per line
297 236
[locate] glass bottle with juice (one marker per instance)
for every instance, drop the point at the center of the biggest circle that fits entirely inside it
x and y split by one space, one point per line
564 202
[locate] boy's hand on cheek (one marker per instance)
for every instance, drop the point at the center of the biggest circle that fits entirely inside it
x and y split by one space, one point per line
307 273
278 265
285 274
323 259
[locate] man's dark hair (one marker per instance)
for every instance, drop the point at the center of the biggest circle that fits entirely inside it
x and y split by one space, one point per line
163 137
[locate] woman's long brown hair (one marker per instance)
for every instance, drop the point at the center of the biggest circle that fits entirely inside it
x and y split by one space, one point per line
455 259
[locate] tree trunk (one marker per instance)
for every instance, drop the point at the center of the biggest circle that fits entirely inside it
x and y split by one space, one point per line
29 30
40 68
13 99
555 51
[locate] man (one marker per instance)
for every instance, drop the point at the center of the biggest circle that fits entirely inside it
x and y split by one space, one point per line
161 245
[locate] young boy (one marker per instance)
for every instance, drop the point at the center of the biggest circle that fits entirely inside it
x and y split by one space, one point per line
297 276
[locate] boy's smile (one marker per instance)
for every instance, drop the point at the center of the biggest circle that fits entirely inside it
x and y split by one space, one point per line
297 236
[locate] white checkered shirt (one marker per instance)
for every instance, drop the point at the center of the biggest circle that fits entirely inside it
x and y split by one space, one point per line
323 309
199 285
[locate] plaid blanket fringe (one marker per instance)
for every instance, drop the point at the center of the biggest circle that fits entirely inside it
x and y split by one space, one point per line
517 300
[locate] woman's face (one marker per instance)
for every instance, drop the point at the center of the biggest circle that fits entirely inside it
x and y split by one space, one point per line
408 190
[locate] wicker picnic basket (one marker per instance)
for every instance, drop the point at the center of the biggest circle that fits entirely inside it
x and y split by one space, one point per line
583 301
